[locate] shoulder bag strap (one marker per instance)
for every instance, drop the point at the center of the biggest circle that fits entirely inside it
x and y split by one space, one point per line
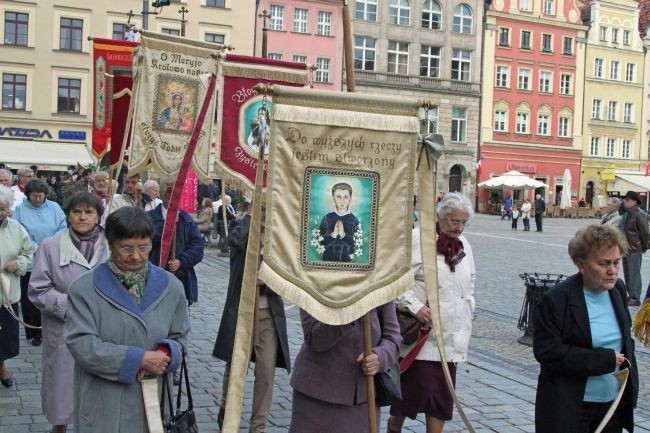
185 376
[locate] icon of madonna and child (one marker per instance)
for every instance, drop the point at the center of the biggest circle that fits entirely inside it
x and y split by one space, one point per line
178 115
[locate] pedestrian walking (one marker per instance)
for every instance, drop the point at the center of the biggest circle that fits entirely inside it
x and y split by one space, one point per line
634 224
525 214
540 208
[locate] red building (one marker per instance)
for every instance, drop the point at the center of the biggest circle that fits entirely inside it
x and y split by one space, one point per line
533 78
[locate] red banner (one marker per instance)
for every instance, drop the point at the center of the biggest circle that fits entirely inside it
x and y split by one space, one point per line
243 116
112 62
188 198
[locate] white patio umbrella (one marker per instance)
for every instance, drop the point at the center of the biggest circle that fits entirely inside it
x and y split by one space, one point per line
512 179
565 200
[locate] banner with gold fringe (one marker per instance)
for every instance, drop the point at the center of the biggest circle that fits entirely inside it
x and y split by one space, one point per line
339 201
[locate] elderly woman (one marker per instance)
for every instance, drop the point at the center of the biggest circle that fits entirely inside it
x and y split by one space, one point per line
59 261
126 316
526 207
329 377
42 218
15 255
576 345
611 217
424 389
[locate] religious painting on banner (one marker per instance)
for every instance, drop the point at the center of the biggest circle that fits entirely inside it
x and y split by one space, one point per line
244 121
170 85
112 60
339 201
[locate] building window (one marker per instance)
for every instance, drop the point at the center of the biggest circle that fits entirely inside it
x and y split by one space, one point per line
500 117
545 82
630 72
299 59
595 145
603 33
324 23
612 111
399 12
172 32
565 84
613 70
216 3
459 125
70 34
548 7
547 43
567 46
69 95
215 38
522 123
431 15
300 20
460 64
598 68
563 127
365 10
429 120
596 105
16 26
398 57
626 37
119 31
523 80
277 18
609 149
274 56
364 53
502 76
628 110
525 40
463 19
14 91
524 5
504 37
322 70
542 124
627 148
430 61
615 36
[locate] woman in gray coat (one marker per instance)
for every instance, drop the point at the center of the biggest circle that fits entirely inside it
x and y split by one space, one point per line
59 261
125 317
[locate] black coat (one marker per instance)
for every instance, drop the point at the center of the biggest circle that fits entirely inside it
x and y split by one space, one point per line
562 345
238 241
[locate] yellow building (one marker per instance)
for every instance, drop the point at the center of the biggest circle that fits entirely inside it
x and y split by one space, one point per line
46 66
613 101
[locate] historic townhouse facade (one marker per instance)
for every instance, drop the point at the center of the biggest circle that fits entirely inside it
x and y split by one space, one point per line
430 50
46 66
533 69
613 144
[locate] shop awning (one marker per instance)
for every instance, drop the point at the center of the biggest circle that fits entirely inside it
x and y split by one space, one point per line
45 155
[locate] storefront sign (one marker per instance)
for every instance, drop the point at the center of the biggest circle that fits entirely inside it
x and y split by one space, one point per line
11 131
608 174
521 167
72 135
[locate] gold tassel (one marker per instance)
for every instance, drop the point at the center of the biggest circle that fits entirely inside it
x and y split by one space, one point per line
642 324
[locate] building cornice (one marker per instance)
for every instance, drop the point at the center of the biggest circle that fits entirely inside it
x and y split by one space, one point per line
537 20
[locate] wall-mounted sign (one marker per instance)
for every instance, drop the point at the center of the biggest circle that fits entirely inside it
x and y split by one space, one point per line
11 131
72 135
522 167
608 174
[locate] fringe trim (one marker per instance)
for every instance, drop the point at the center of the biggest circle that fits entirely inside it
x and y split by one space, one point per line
343 118
332 315
641 325
231 177
265 72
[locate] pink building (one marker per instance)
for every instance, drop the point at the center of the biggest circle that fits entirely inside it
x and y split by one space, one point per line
307 32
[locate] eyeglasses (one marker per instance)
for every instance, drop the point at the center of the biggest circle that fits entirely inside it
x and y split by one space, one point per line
38 196
458 223
128 250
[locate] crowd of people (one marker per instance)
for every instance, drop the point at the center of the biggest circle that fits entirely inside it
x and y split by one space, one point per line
91 289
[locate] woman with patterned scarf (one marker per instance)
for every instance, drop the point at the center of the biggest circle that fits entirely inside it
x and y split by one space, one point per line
424 389
59 260
125 317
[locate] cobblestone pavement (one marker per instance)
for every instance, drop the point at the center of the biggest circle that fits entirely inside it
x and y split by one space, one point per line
496 386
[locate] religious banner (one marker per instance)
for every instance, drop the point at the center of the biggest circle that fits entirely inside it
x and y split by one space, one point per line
339 201
188 197
244 121
170 84
122 83
111 59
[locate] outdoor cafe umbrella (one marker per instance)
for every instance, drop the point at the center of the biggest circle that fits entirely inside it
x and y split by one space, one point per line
512 179
565 201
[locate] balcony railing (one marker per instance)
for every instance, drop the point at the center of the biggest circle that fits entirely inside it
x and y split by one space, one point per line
414 81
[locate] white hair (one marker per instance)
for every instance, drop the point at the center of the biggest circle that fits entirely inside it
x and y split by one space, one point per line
6 195
452 201
149 183
24 171
101 174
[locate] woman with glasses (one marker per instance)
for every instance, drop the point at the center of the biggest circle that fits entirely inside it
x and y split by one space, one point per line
42 218
124 318
58 262
424 389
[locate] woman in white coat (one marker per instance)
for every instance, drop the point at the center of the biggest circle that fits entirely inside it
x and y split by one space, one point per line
525 214
424 389
58 262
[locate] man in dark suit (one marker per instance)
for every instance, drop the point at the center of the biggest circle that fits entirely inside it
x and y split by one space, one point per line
540 208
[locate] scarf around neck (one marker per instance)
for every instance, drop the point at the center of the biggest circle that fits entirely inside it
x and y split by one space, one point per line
451 248
86 243
133 281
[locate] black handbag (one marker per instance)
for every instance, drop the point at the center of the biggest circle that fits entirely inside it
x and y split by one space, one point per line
409 326
179 421
388 388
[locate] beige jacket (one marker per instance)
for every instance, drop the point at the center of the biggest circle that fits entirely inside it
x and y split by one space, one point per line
16 245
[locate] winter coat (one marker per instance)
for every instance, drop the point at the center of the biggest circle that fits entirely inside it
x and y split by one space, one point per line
56 265
41 222
456 303
238 241
204 219
189 249
122 200
635 228
19 197
17 246
108 333
525 210
612 219
563 347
